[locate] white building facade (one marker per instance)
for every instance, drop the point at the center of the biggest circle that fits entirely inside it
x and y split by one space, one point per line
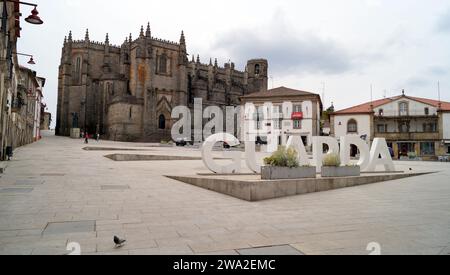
294 113
413 127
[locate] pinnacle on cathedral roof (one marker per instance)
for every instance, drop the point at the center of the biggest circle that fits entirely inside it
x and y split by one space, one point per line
86 37
70 36
198 58
107 39
182 38
130 38
148 33
142 32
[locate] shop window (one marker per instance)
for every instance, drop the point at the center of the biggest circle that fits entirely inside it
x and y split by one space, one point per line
427 148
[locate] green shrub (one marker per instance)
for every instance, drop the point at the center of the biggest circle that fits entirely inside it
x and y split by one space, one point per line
164 142
283 157
331 160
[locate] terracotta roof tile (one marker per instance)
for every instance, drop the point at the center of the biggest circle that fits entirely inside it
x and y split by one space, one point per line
367 108
281 91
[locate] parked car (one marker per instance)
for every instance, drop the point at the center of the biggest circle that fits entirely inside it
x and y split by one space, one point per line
181 142
260 141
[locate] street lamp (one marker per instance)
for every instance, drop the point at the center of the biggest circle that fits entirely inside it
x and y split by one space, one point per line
34 17
31 61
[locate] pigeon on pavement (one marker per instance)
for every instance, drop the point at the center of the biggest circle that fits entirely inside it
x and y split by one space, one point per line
119 242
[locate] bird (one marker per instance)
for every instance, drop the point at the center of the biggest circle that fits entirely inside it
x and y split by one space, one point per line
119 242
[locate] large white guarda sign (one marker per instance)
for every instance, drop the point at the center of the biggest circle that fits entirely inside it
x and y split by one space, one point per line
370 158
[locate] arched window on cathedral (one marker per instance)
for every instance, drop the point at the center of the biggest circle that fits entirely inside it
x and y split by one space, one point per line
128 87
162 64
78 65
162 122
257 69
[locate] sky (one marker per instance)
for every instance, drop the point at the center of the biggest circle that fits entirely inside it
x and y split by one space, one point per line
337 48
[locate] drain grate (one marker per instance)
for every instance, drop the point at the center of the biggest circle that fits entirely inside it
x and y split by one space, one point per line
115 187
69 227
53 175
16 190
29 182
282 250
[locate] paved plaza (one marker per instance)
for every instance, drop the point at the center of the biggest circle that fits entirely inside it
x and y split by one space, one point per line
53 193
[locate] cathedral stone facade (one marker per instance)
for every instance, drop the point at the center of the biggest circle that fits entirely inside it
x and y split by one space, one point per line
127 92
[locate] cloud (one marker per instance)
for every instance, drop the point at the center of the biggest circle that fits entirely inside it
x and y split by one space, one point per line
443 24
287 51
438 71
418 82
428 77
373 3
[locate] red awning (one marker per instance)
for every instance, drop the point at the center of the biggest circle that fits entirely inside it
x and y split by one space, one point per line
297 116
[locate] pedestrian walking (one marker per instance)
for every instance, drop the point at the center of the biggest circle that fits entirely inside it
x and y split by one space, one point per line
86 138
9 152
98 137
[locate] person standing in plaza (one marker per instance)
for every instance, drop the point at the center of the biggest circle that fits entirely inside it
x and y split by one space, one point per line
86 138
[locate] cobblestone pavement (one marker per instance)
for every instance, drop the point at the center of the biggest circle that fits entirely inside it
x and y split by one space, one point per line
54 193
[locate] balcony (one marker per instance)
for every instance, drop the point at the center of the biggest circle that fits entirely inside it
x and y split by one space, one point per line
408 136
16 106
411 114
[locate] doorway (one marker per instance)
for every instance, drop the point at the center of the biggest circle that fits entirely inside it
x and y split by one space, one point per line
404 148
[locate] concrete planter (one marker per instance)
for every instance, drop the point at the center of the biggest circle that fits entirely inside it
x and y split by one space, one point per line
343 171
280 173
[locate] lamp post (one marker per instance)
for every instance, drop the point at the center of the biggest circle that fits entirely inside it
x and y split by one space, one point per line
31 61
33 18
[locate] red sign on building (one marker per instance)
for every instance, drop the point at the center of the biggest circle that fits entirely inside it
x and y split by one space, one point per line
297 116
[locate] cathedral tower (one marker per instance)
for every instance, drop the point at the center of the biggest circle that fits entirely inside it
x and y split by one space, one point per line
257 78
